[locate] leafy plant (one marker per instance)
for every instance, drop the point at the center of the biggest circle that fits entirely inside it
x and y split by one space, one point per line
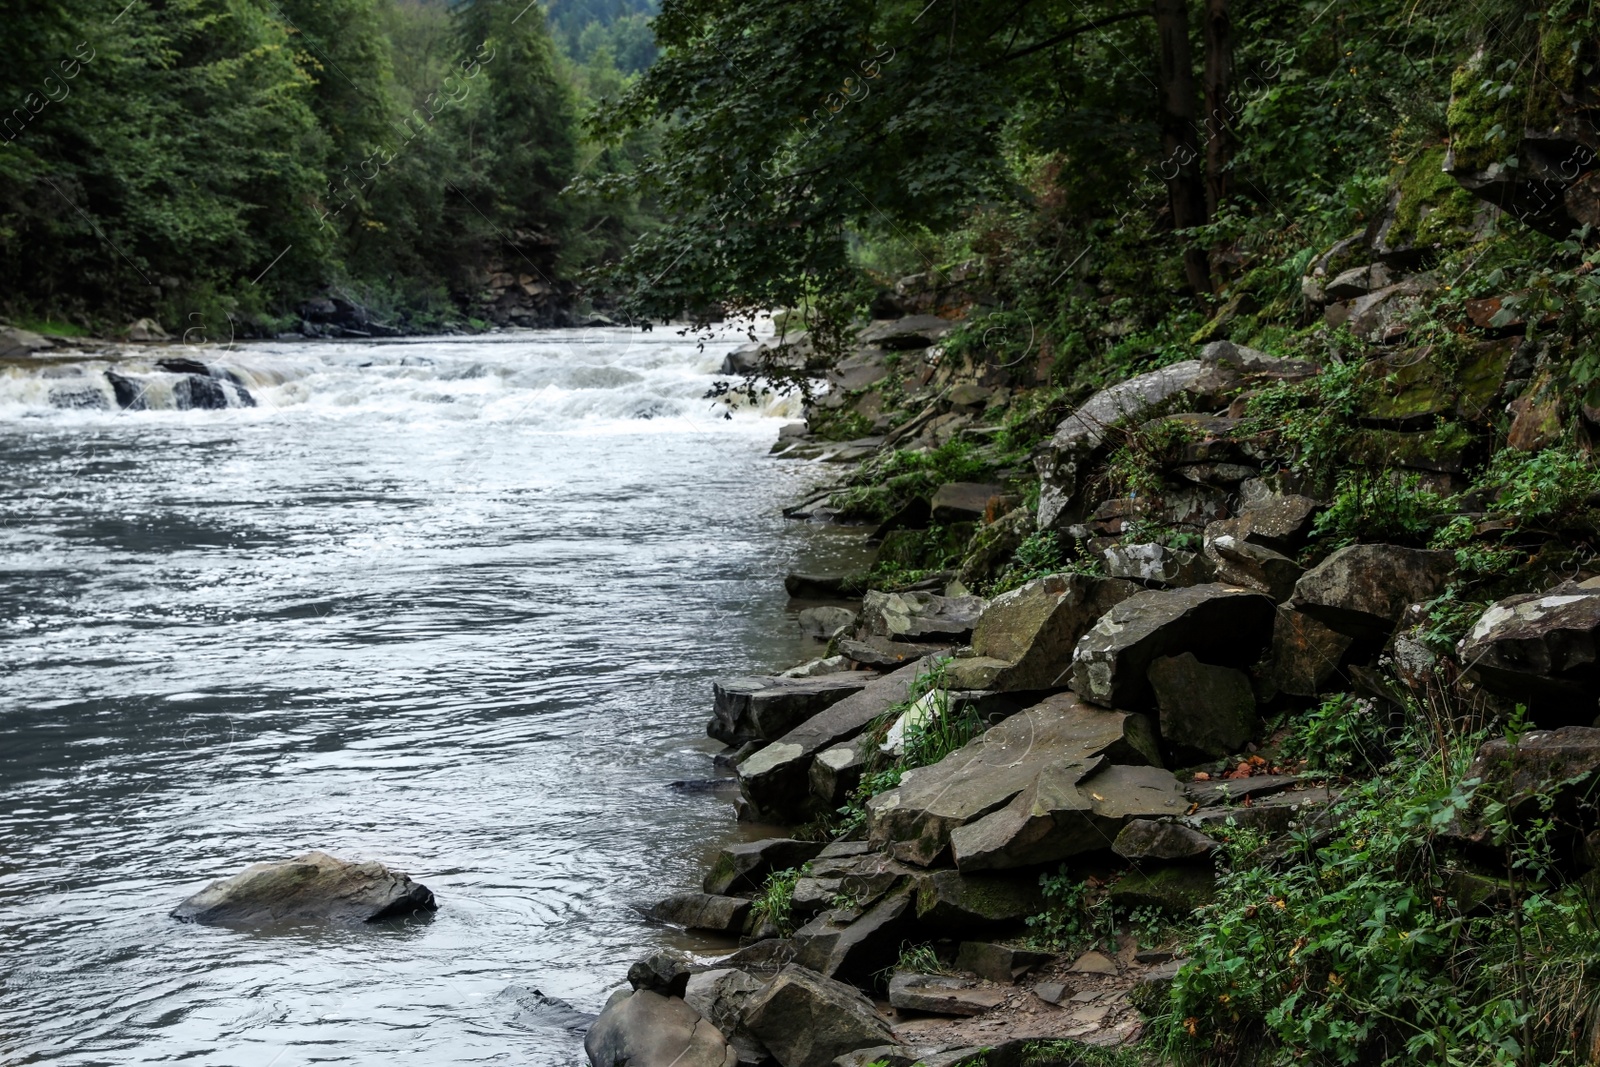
1380 506
1340 734
1073 915
1350 948
775 902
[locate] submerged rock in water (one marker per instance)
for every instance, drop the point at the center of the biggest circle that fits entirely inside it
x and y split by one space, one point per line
530 1008
312 887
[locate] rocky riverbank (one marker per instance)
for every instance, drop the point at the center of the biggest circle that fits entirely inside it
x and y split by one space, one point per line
1130 662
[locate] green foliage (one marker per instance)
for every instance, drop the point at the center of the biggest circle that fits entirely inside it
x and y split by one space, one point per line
917 959
775 902
1073 1054
1075 916
949 729
1553 488
1042 555
1380 506
888 481
1342 734
1350 948
1315 420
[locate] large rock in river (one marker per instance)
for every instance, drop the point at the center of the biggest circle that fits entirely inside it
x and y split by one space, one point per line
312 887
646 1029
1224 625
744 865
1026 636
1060 735
1543 649
760 708
807 1020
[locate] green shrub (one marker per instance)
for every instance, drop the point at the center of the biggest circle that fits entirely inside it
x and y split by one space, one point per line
775 902
1339 735
1350 949
1380 506
1552 488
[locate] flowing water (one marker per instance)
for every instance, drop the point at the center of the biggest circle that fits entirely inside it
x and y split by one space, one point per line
451 604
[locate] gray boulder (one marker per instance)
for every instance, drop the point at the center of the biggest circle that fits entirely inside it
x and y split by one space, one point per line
826 621
775 782
849 872
967 903
998 963
916 819
311 887
816 668
16 342
1154 564
835 773
1206 711
1222 624
1541 648
1066 813
1242 562
1547 775
1181 890
858 370
646 1029
761 708
963 501
1147 839
745 865
1281 522
1225 366
723 995
919 617
936 994
1277 813
1081 433
663 972
1026 637
1305 653
704 911
881 653
854 944
913 331
808 1020
1364 590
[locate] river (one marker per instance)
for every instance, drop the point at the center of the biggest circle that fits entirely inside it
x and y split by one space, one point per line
453 604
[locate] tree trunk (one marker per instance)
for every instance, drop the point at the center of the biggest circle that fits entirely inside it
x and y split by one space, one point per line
1180 165
1219 103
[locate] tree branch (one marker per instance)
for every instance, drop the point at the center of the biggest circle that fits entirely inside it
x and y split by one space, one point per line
1073 31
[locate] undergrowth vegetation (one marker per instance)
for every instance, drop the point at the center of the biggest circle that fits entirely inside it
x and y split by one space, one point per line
1366 941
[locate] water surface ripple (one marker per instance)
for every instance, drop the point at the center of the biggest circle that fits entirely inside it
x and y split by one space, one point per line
451 604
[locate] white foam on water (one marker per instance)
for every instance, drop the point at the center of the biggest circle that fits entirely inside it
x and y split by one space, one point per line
607 380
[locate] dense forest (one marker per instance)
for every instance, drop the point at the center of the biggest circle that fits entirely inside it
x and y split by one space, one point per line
207 159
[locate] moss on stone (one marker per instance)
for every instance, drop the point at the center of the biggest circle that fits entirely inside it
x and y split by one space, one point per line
1175 890
1432 209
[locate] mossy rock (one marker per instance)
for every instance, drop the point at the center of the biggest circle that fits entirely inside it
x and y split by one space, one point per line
1429 209
1443 449
1423 384
1175 890
1488 113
